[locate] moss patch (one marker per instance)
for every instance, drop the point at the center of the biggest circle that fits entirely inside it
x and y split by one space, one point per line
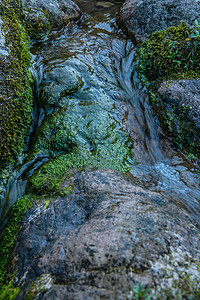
76 140
175 120
170 54
50 177
37 23
7 289
16 96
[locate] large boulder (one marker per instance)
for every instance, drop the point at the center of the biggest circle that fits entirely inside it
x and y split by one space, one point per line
104 238
143 17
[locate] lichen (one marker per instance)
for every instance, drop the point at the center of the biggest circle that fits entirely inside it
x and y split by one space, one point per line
181 276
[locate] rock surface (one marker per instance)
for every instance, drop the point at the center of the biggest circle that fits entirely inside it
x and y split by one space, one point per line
4 50
186 93
59 11
143 17
103 238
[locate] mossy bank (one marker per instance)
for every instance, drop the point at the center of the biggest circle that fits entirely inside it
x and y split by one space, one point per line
172 54
16 95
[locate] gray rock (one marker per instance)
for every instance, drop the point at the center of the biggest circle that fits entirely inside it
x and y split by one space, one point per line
59 11
186 93
143 17
103 238
4 50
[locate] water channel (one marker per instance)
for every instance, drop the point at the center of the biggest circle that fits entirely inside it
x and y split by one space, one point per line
104 105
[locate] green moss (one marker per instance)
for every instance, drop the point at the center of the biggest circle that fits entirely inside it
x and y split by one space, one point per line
50 178
7 289
170 54
16 96
177 124
95 140
37 23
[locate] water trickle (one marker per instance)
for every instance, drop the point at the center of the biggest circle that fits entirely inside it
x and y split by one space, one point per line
88 95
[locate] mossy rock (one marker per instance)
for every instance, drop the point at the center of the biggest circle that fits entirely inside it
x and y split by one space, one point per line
173 54
170 54
39 286
37 23
7 288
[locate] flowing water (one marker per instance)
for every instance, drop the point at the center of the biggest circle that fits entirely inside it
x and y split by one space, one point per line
85 77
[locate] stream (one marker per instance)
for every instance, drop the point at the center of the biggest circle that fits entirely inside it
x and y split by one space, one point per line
88 95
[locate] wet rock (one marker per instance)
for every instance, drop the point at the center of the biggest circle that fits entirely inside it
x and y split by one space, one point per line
186 93
41 15
143 17
178 106
103 238
80 113
59 82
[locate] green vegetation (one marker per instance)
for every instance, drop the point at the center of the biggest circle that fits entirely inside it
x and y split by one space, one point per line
77 142
171 54
37 23
50 178
8 267
16 93
7 289
141 293
176 122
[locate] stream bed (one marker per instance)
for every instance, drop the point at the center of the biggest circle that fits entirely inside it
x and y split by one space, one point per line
89 100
